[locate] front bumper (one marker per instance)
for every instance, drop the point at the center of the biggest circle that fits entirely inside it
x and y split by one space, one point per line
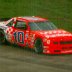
57 52
63 47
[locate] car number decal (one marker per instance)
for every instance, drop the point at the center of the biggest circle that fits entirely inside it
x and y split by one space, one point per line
19 37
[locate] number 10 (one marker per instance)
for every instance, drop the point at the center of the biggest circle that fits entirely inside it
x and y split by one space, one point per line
19 37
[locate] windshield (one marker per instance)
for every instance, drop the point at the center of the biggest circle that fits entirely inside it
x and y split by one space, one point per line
42 25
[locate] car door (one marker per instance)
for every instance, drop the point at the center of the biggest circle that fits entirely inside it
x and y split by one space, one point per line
9 30
20 32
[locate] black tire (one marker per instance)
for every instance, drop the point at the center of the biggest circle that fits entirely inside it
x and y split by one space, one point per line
38 46
2 37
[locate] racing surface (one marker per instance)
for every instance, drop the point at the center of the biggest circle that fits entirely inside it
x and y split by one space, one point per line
17 59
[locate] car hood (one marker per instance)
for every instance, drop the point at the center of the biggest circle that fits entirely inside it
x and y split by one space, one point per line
54 33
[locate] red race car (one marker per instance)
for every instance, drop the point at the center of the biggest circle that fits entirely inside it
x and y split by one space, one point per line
36 33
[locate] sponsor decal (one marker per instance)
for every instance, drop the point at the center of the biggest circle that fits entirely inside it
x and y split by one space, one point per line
50 32
66 51
31 18
45 40
15 19
54 32
48 41
26 36
32 39
46 47
58 35
47 36
9 37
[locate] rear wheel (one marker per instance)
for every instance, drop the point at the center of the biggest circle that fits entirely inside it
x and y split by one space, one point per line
38 46
2 37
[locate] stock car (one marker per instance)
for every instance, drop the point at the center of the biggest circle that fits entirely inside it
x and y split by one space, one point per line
36 33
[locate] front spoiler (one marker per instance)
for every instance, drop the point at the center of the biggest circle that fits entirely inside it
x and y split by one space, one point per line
61 52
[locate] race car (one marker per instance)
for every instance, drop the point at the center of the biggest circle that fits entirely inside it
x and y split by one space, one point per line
36 33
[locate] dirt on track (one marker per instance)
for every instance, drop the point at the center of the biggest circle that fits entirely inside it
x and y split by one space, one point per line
17 59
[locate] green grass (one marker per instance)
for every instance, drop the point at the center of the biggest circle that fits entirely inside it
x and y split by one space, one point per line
57 11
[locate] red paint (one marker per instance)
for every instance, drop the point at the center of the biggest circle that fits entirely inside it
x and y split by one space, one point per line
60 40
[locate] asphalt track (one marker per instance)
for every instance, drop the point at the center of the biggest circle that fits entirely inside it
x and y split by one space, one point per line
17 59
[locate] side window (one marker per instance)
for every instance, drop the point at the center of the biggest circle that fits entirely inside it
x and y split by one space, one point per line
21 25
10 23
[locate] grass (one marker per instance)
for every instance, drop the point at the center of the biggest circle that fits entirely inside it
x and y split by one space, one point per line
57 11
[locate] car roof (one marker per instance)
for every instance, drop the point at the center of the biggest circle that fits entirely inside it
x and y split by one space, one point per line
32 18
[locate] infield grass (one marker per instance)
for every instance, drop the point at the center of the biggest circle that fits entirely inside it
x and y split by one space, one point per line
57 11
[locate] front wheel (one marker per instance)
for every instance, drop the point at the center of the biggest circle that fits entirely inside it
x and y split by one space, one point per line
38 46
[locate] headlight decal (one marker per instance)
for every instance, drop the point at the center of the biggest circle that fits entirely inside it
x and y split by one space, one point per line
48 41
